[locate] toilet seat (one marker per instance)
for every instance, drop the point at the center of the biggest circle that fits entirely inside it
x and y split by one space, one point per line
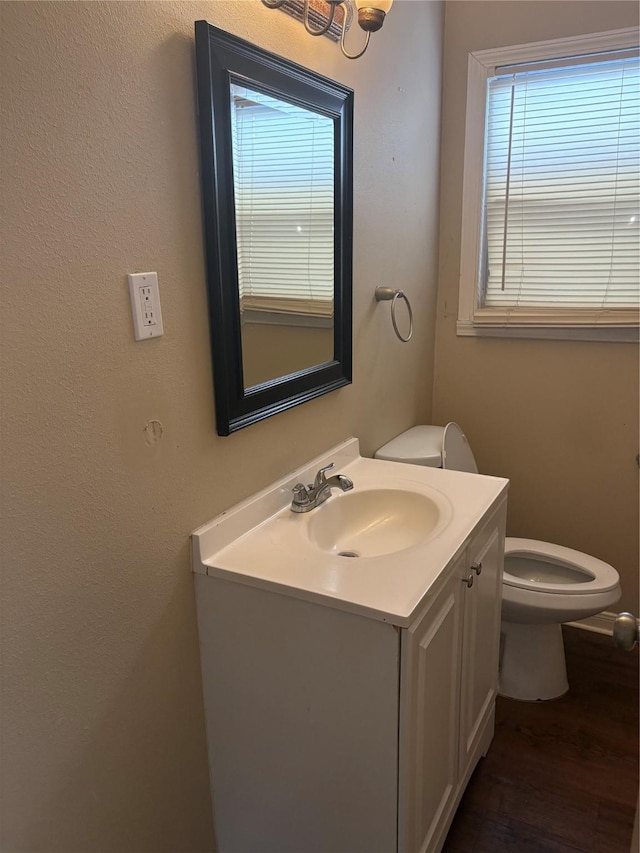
598 576
456 452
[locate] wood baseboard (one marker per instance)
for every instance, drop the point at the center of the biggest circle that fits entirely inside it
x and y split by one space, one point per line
601 623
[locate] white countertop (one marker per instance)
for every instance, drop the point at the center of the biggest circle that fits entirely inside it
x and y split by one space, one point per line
260 542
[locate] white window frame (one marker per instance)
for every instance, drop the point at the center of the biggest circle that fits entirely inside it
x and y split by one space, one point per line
559 324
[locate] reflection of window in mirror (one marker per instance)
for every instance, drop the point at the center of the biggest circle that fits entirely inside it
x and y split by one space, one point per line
283 158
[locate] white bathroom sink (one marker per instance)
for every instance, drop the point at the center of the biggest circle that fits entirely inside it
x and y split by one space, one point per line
373 522
401 523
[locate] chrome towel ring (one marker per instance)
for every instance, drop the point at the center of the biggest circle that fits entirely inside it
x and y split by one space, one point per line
383 294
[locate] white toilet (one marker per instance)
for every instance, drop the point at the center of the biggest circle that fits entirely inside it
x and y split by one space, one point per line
544 585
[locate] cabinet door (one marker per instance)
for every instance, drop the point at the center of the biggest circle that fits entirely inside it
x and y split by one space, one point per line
429 709
481 641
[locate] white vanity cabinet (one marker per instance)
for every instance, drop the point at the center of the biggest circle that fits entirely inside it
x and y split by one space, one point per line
449 673
331 731
348 698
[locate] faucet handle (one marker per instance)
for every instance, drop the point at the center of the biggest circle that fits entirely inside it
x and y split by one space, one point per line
300 495
320 477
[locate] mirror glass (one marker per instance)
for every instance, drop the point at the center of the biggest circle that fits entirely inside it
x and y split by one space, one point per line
276 155
283 193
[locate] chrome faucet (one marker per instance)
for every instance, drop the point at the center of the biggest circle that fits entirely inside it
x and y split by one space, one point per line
306 498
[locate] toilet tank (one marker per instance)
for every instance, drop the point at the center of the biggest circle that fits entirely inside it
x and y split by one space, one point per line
434 446
420 445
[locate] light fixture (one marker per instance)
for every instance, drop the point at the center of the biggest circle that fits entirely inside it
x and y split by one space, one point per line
370 13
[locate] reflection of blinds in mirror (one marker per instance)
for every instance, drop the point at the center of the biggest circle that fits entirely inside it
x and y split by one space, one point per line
283 159
562 185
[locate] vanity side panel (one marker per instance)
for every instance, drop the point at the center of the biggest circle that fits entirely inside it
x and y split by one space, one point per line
302 723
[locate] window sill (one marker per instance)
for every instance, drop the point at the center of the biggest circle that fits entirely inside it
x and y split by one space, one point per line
289 318
610 334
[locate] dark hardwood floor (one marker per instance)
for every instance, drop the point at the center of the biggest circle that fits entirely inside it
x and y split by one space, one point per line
560 776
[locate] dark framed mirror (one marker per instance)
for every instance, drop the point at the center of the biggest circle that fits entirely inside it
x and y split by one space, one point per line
276 145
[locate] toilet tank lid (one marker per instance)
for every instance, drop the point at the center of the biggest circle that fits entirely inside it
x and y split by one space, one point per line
420 445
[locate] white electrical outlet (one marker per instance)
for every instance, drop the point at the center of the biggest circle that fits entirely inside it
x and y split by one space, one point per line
145 305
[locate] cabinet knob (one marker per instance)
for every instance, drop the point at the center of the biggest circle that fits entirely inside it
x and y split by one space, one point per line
477 567
469 580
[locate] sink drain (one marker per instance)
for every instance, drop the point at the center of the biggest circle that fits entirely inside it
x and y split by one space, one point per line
348 554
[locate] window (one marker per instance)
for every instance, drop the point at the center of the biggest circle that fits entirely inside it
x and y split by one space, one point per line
551 222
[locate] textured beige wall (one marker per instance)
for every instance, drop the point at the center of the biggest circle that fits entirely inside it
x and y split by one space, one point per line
270 351
103 744
559 418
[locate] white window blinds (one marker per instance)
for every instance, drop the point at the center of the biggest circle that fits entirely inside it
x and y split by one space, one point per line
283 158
562 211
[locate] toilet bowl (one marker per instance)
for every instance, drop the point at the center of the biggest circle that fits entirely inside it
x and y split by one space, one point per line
543 585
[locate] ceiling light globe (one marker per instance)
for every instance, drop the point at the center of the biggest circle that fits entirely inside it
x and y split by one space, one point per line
383 5
371 13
